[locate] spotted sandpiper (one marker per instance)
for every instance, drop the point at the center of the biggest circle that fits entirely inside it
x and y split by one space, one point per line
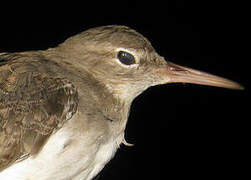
63 111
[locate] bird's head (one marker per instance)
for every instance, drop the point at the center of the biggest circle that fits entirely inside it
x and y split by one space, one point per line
127 64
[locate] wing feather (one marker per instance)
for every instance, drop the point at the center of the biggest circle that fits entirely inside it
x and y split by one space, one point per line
33 104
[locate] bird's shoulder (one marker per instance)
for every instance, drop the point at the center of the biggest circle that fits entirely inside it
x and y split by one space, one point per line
34 103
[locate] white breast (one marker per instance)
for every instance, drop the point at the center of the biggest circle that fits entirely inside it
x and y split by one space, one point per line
79 161
103 155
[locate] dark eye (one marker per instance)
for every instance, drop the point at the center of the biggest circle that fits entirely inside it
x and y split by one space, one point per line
126 58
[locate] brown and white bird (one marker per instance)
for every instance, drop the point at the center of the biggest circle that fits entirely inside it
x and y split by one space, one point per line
63 111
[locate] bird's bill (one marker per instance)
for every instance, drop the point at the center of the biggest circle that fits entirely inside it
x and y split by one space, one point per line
175 73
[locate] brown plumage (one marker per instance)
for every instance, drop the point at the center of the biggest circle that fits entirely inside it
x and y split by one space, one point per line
33 104
71 103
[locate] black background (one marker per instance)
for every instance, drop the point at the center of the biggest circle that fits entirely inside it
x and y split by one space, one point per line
179 131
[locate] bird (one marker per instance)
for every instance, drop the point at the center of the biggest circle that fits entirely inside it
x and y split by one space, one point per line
63 110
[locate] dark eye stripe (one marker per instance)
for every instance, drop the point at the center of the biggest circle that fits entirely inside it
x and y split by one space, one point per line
126 58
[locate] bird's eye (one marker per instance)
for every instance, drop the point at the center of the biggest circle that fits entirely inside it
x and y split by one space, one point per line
126 58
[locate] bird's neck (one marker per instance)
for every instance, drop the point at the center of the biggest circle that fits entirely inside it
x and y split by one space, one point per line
98 95
100 99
